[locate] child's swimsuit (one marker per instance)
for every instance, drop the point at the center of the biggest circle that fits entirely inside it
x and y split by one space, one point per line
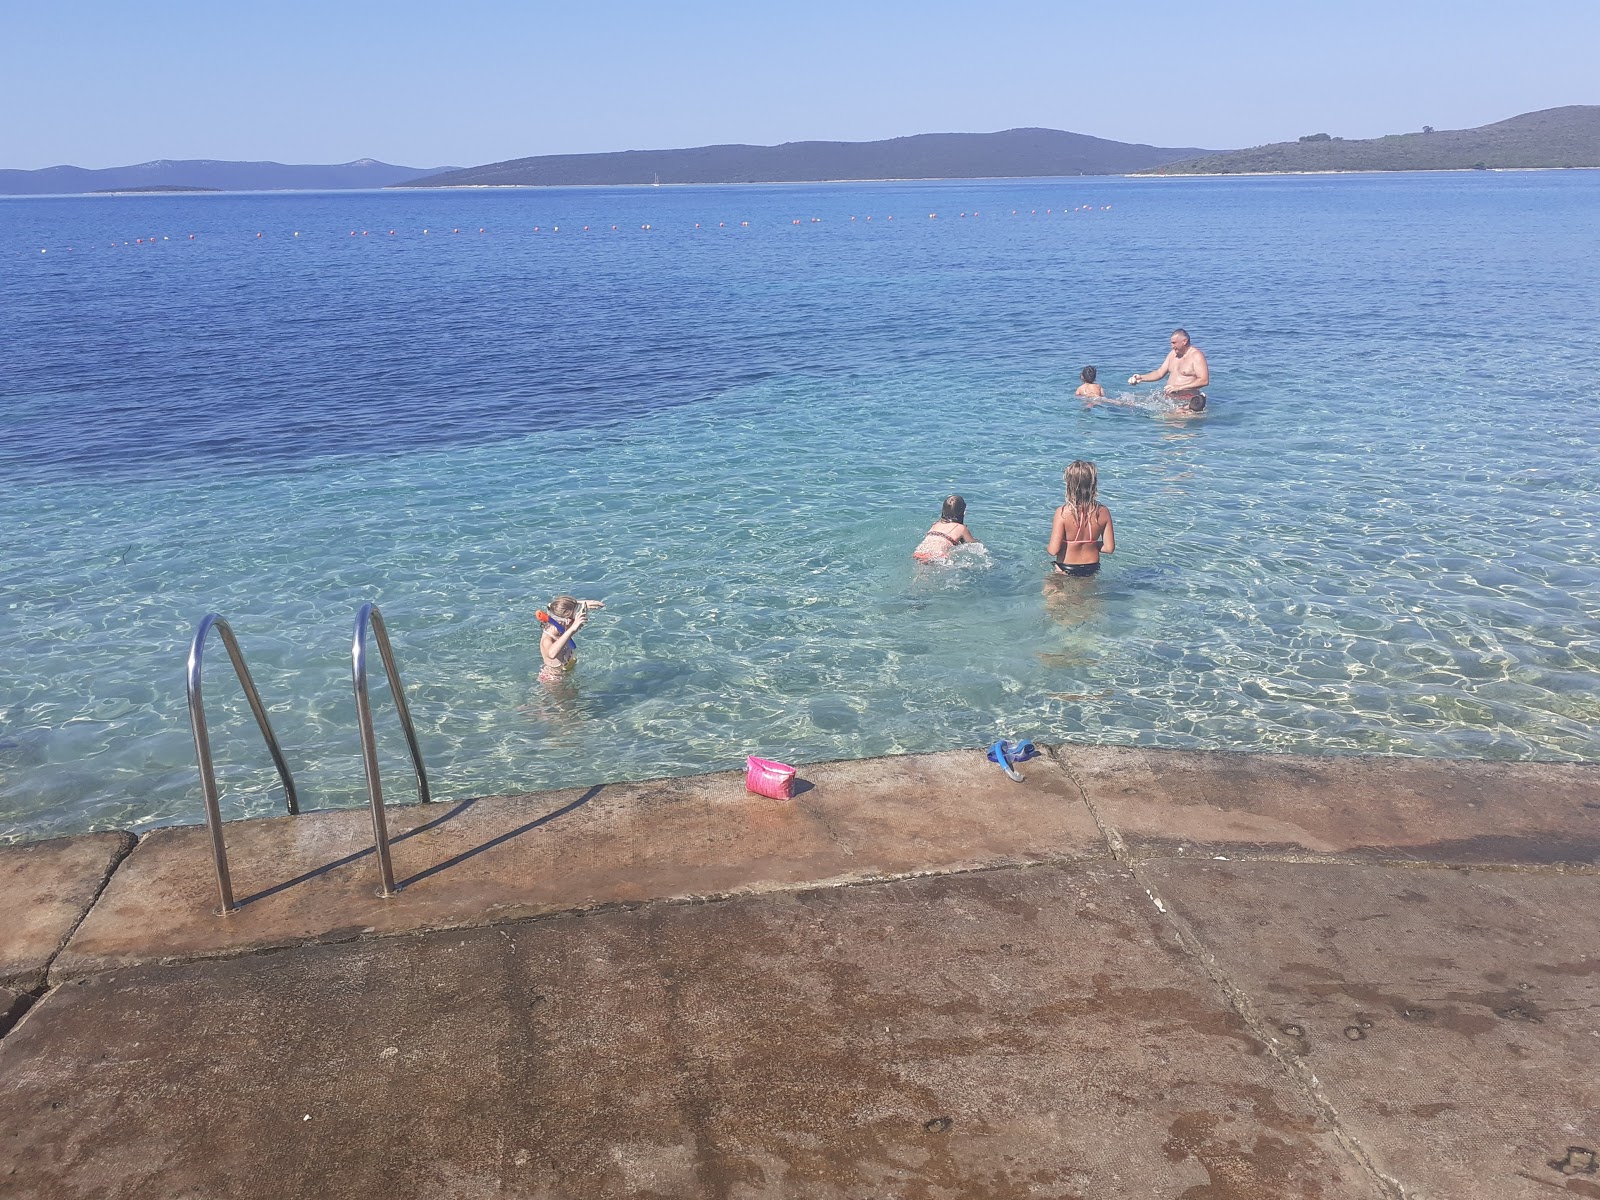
1080 569
565 661
925 551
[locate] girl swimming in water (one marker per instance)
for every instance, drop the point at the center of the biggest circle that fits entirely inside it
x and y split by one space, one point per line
1089 389
1082 529
947 533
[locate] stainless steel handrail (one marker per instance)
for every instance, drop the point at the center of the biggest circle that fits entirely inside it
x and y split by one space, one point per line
369 615
202 744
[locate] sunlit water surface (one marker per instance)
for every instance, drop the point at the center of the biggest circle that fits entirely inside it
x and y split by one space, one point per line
1381 538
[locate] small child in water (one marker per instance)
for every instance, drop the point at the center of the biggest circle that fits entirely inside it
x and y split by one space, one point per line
567 615
947 533
1089 389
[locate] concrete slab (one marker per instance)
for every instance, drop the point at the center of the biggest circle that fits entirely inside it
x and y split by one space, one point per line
1451 1017
45 888
1169 803
314 878
1006 1034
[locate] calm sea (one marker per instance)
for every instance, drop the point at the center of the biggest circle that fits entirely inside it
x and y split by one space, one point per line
733 426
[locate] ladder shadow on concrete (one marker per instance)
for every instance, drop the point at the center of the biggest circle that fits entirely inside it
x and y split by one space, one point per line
427 872
510 835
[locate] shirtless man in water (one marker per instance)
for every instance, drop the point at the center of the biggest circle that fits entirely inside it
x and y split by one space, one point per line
1186 370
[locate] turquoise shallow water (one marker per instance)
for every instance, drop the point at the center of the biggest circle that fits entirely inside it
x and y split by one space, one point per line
1381 538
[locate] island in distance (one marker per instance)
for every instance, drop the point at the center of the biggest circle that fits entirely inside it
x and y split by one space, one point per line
207 174
1013 153
1550 138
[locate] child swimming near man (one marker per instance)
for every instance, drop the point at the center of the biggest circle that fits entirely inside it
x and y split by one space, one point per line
1089 389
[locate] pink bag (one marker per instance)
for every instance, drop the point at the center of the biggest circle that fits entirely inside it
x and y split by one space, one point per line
767 778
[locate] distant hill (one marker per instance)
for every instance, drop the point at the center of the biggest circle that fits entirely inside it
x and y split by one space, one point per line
1013 153
208 174
1552 137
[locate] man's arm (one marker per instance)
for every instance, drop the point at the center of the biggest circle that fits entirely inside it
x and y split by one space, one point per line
1202 369
1166 365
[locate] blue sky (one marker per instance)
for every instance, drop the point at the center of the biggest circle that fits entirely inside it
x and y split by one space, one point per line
96 83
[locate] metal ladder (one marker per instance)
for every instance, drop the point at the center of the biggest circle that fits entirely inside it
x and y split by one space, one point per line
202 744
368 618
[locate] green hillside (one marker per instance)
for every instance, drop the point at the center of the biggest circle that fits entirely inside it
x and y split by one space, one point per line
1553 137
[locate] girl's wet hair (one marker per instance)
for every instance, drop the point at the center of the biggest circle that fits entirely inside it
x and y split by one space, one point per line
955 509
1088 374
1083 484
565 607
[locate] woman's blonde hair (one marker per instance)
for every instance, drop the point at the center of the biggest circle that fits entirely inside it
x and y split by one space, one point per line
1083 484
565 607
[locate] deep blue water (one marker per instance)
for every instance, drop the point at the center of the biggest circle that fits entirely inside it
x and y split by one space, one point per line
1380 538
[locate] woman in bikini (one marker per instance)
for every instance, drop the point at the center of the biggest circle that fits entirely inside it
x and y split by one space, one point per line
947 533
1082 530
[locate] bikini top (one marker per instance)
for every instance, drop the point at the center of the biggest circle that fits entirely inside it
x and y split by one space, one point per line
1089 520
944 535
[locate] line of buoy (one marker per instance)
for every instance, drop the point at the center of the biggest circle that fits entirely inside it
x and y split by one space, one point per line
646 228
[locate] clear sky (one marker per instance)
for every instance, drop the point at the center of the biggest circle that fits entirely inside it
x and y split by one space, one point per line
100 83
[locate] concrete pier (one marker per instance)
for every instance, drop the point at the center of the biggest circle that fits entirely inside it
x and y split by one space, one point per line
1138 973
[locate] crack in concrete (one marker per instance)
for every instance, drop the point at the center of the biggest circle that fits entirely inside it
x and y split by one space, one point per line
29 997
614 906
1344 858
1236 998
